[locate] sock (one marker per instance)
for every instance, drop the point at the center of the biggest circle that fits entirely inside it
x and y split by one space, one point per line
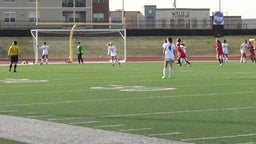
15 66
170 71
179 62
164 71
219 60
10 67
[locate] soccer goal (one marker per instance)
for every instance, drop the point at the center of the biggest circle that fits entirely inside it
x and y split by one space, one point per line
94 42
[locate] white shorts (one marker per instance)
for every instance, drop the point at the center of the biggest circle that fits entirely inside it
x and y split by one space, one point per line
225 51
243 51
113 54
169 59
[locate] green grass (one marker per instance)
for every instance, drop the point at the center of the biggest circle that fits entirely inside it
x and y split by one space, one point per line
217 104
5 141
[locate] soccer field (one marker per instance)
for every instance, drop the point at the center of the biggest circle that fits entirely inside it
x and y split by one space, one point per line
202 104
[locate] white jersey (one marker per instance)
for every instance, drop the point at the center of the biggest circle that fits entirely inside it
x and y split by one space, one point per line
184 48
112 50
225 47
169 50
45 49
243 47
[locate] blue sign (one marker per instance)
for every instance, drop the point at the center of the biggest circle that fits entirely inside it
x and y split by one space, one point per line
218 18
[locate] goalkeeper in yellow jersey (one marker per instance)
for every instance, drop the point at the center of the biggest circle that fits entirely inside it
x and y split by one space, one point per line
14 53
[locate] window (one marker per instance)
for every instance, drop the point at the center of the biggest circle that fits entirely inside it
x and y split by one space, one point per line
32 16
9 0
98 17
98 1
9 16
32 1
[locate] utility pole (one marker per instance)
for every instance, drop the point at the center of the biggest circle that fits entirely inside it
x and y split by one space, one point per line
220 5
175 13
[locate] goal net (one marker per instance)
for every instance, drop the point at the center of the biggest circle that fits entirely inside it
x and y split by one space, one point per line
94 42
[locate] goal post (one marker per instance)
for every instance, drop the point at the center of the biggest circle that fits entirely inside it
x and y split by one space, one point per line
62 48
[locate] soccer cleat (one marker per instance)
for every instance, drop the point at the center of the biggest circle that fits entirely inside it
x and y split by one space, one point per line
163 77
15 71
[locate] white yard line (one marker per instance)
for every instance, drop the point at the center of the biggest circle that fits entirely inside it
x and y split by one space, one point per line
8 111
39 116
248 143
125 99
138 129
156 113
83 122
109 126
162 134
220 137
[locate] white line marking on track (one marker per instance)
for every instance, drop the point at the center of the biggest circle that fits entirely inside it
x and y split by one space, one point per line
162 134
156 113
138 129
109 126
220 137
85 122
124 99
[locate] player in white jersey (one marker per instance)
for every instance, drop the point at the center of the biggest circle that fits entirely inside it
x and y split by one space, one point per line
45 53
113 52
168 56
225 47
243 49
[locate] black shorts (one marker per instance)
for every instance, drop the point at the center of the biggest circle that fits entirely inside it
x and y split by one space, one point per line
14 58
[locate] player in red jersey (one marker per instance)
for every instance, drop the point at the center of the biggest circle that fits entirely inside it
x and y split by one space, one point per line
252 51
181 55
219 52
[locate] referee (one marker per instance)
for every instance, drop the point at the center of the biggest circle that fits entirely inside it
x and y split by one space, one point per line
14 53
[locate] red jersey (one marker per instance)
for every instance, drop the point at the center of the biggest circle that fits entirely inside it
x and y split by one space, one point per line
219 50
251 49
181 53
